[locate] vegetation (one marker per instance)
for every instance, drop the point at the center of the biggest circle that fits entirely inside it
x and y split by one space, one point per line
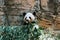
25 32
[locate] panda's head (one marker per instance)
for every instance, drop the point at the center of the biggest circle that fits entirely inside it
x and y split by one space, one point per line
29 17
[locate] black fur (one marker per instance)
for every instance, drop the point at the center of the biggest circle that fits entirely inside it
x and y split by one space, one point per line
34 13
24 14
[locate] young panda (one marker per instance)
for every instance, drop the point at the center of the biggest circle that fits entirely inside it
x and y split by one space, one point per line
30 18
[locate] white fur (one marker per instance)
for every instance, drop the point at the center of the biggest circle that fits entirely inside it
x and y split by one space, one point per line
36 26
29 15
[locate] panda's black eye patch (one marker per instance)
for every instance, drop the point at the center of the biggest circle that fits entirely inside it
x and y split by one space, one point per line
30 17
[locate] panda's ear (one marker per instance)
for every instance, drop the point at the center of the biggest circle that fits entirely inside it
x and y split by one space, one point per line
24 14
34 13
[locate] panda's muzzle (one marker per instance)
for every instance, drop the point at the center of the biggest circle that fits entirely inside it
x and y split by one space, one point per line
27 20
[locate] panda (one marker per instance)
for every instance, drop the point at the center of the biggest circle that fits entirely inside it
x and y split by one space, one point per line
30 18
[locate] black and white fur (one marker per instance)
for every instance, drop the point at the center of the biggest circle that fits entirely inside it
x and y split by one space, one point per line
29 17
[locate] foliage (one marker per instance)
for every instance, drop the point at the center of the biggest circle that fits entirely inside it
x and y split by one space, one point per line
25 32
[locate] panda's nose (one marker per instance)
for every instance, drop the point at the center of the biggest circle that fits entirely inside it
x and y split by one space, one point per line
27 20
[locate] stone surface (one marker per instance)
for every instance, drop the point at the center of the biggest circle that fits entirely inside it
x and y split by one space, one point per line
45 23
